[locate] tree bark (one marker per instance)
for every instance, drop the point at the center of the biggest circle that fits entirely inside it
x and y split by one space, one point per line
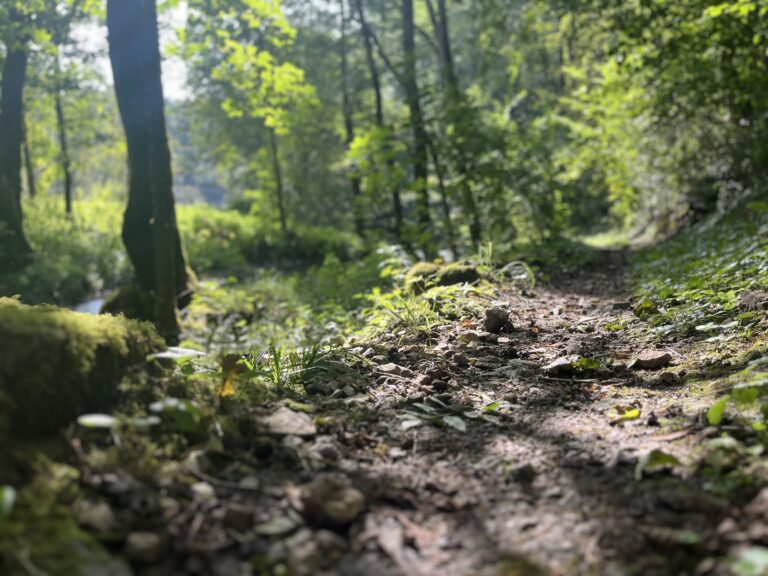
64 149
453 95
373 70
150 233
15 248
349 124
444 203
29 166
278 174
416 118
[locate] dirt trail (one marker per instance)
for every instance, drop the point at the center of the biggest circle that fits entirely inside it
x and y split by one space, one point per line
545 482
470 454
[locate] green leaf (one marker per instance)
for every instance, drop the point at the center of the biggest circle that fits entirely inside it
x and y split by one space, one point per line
495 407
655 460
752 561
632 414
7 500
746 393
182 415
717 410
585 363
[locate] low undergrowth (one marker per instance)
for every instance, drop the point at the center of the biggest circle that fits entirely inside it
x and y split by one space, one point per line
706 289
83 255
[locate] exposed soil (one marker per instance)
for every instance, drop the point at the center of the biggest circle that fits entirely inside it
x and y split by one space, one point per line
541 481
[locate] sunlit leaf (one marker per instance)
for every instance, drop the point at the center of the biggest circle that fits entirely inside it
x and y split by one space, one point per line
717 410
103 421
655 460
750 561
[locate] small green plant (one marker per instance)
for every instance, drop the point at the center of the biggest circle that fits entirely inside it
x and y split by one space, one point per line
750 395
401 309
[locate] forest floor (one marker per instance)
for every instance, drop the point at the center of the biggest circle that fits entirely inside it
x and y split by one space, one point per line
527 440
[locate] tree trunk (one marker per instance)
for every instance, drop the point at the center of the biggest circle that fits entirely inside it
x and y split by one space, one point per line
65 162
453 95
349 123
15 248
373 70
444 203
420 157
278 173
150 233
29 166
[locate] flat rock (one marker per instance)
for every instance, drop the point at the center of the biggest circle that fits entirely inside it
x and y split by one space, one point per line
285 422
754 300
97 516
496 319
276 526
238 517
563 366
144 547
651 360
330 502
396 370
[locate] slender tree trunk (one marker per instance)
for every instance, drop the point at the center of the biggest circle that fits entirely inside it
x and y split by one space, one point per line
373 70
444 203
453 95
63 144
349 124
29 165
150 233
14 248
278 174
420 157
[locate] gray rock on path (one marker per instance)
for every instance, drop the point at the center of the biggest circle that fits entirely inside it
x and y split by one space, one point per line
496 319
144 547
396 370
285 422
753 300
239 517
651 360
330 502
563 366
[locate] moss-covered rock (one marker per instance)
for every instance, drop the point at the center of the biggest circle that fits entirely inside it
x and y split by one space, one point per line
425 274
456 274
56 364
132 302
420 276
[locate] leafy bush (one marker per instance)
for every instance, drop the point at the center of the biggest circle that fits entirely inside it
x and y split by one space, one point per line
73 257
225 240
84 255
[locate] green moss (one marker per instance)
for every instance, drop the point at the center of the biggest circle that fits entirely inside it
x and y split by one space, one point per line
56 364
41 530
425 274
132 302
456 274
420 276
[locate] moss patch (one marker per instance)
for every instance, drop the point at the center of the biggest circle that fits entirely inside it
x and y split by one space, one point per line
132 302
56 364
456 274
426 274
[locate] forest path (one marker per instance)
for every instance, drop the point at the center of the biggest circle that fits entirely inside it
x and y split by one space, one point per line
447 451
543 479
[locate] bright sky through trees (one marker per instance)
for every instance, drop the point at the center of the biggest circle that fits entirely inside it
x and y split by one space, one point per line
91 37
